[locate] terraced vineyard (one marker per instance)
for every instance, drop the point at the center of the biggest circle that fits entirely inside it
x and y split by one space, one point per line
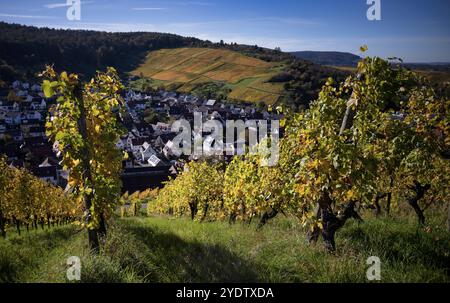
246 78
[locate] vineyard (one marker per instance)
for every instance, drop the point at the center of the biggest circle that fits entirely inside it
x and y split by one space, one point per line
369 152
28 202
381 137
188 69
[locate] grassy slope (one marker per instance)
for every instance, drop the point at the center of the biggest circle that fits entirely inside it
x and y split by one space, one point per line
177 250
190 67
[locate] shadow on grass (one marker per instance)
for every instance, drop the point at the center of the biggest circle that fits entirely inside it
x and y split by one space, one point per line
400 242
24 253
181 261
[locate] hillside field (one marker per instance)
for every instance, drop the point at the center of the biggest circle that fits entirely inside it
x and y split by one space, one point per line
188 68
161 249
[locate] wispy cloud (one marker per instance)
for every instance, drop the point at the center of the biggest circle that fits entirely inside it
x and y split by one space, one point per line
27 16
55 5
149 8
266 21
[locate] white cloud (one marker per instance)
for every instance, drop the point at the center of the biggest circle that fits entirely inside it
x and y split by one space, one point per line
27 16
55 5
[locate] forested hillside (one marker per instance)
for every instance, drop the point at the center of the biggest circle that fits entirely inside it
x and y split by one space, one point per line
329 58
28 49
25 50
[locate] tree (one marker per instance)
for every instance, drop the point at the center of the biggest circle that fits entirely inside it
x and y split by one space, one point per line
336 153
196 191
85 124
5 176
27 200
252 190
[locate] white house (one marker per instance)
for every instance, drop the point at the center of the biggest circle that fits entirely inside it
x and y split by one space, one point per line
146 152
136 145
154 161
15 107
16 84
34 115
39 105
210 102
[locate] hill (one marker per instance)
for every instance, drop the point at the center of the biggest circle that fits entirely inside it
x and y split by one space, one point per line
189 69
25 50
246 72
328 58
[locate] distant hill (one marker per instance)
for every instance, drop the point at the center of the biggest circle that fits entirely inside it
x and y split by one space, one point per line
238 76
216 70
25 50
329 58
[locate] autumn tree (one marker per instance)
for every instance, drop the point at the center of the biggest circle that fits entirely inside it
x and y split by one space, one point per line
85 124
357 134
5 175
196 191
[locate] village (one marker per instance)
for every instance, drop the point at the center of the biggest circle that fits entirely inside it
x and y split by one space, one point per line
148 140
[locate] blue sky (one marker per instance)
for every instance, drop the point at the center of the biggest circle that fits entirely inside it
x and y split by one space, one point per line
416 30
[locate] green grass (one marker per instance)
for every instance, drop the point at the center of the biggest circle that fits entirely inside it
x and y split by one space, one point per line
177 250
22 256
